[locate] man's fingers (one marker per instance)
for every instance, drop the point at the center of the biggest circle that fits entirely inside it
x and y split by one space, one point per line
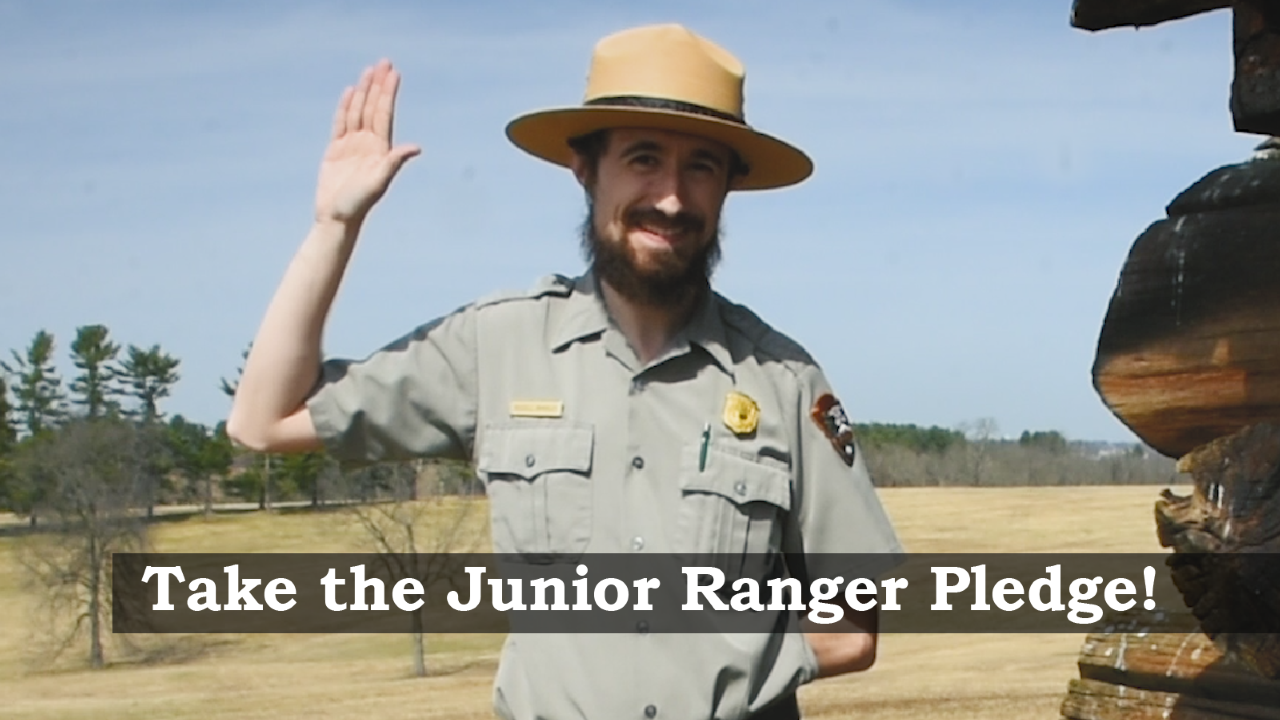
340 116
355 112
377 88
384 113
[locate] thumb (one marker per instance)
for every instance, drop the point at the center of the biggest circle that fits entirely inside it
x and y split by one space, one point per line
401 154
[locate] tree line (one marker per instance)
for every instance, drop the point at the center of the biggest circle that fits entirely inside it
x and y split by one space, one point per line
183 462
973 455
191 463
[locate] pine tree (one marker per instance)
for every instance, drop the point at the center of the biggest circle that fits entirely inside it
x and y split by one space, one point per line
8 433
96 385
149 376
8 441
41 403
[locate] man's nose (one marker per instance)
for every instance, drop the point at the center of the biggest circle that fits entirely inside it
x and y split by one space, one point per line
670 193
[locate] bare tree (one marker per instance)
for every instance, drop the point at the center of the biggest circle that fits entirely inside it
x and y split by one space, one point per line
94 473
418 517
982 434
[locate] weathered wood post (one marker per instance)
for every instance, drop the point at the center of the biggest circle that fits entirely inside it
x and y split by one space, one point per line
1189 359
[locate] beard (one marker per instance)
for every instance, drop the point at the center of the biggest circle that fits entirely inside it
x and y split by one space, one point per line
675 281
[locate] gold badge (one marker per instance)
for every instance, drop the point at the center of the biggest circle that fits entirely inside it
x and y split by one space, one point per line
741 413
537 408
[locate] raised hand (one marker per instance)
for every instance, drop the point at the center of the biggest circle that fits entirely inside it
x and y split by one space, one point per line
360 162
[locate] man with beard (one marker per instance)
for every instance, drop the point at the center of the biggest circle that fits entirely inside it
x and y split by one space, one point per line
628 410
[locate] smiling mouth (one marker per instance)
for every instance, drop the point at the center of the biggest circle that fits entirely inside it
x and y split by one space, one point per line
660 235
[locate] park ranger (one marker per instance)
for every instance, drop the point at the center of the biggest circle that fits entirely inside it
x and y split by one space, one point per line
630 409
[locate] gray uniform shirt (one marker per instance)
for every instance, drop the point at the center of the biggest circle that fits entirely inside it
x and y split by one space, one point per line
583 449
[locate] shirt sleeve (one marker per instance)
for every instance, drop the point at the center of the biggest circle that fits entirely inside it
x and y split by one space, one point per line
416 397
839 527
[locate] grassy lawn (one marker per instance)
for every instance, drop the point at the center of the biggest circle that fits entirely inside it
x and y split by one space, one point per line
358 676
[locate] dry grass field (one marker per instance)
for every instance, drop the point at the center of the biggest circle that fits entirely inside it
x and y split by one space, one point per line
359 676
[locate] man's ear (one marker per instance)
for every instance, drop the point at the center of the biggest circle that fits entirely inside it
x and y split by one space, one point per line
735 181
581 170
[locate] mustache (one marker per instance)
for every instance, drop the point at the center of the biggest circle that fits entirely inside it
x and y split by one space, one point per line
682 221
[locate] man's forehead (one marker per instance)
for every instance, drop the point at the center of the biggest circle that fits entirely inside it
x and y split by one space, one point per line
623 138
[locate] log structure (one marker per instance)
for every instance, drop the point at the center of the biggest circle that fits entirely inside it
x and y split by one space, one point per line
1189 359
1149 666
1108 14
1226 536
1190 346
1255 89
1220 658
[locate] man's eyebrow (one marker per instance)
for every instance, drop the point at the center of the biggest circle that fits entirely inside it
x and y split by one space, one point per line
701 153
705 154
642 146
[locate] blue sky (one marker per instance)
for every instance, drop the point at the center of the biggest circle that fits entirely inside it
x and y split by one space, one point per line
981 171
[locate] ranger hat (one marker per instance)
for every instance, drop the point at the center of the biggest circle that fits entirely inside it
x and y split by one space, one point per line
668 78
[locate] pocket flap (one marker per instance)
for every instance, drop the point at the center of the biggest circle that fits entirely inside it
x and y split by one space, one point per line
532 450
738 479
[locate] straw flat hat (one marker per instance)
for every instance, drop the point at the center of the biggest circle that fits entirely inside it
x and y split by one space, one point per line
668 78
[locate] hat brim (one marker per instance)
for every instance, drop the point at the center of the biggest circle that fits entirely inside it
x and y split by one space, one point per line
772 163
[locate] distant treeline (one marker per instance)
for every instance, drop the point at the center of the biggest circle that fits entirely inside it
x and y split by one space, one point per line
913 456
123 386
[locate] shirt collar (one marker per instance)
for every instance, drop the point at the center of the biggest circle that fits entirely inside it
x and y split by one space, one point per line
706 330
585 315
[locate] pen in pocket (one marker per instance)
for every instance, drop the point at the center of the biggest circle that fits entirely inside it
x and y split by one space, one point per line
702 453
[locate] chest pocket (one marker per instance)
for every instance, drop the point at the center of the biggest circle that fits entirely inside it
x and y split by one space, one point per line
731 512
538 479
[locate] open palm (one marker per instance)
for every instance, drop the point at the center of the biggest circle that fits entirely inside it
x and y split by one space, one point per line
360 161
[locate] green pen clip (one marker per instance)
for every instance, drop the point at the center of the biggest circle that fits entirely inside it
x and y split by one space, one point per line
702 453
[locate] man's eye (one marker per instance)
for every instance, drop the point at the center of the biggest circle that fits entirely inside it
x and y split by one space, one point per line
644 160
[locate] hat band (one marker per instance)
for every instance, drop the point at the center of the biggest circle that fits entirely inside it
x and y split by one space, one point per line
640 101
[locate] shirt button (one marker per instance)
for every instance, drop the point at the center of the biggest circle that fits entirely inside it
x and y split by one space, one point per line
529 460
740 488
637 462
651 711
642 627
637 543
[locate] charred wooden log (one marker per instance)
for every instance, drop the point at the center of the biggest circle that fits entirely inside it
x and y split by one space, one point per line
1189 350
1225 536
1159 666
1255 88
1105 14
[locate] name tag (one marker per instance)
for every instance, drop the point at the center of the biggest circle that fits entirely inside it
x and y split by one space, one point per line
537 408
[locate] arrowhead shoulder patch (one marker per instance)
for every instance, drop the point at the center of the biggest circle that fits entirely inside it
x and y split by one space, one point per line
834 423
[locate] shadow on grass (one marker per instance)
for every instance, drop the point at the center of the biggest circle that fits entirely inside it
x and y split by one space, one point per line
132 654
442 669
172 651
23 529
